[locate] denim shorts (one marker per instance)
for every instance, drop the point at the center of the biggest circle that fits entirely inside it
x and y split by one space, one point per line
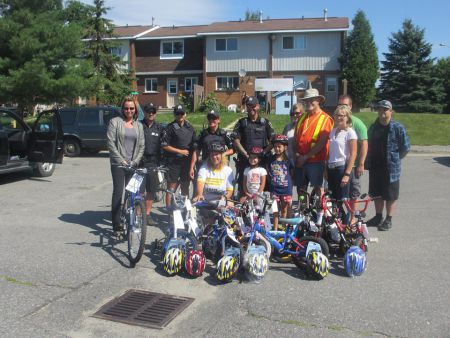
310 173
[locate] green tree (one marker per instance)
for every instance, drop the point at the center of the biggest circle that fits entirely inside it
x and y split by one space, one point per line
407 77
251 15
442 71
112 78
39 54
359 61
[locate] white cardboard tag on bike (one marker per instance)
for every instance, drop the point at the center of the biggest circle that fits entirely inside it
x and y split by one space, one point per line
193 226
274 206
267 222
178 219
160 177
134 183
188 205
313 246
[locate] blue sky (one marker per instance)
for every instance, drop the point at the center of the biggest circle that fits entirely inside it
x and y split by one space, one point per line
384 16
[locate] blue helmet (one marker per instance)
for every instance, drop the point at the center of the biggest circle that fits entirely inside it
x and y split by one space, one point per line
355 261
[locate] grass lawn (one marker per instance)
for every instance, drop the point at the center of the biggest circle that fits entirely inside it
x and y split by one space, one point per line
423 129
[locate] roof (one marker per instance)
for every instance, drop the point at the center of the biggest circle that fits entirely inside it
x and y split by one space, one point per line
277 25
128 32
175 31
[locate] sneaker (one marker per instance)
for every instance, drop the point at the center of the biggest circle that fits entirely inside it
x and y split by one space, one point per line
150 220
374 221
385 226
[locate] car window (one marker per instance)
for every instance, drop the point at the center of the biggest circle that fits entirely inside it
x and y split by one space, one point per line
68 117
9 123
108 114
46 122
89 117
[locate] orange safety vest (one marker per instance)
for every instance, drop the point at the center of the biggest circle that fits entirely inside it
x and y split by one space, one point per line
307 132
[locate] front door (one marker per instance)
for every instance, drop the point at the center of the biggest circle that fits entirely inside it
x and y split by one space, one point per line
172 91
331 91
47 138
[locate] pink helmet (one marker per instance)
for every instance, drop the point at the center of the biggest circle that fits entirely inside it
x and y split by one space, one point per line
195 263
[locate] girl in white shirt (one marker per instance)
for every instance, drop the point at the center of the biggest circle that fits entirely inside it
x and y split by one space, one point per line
342 153
254 175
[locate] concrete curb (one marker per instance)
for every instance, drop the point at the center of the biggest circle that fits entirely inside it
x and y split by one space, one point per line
430 149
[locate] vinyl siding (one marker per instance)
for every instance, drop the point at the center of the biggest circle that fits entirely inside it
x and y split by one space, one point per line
252 55
321 53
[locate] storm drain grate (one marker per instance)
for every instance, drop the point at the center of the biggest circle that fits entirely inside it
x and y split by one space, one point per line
144 308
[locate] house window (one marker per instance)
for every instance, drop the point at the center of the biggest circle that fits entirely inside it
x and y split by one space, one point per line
227 83
229 44
294 42
172 86
189 83
331 85
151 85
116 51
172 49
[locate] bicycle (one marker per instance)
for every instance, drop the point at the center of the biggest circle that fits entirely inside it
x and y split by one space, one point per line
133 214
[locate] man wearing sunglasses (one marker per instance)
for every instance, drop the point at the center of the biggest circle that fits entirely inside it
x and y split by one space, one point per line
179 142
152 155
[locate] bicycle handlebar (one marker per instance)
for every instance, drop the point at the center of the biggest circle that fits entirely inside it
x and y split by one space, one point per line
132 169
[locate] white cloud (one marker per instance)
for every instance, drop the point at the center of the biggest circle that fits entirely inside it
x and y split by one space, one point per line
165 12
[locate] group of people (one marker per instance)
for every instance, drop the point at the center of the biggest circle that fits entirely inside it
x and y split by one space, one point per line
314 148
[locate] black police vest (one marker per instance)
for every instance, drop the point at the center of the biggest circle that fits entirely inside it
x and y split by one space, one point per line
255 134
182 136
209 139
152 139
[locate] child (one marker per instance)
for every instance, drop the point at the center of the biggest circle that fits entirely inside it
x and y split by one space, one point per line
280 172
254 175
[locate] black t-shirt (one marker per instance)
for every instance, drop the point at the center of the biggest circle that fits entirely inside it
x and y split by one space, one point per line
378 144
181 137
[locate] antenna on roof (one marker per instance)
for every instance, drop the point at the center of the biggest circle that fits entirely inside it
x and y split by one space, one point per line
153 21
260 16
325 14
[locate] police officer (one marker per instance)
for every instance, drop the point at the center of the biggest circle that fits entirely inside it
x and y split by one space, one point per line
152 155
179 142
208 136
251 131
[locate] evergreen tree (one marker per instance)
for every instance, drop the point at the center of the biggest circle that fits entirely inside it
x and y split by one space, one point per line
359 61
112 81
442 71
407 77
39 54
251 15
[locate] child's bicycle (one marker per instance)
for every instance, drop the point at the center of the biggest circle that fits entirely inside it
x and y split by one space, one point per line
133 214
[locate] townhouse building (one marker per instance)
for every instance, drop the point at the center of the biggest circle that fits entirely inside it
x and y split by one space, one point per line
227 57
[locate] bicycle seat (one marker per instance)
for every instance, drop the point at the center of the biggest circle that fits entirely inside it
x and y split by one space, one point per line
293 221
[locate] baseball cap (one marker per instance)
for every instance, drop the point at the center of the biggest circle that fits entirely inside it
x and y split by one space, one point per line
179 109
149 108
251 101
213 115
384 104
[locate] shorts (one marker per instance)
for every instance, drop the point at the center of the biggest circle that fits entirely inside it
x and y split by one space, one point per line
379 185
178 169
283 198
355 185
310 173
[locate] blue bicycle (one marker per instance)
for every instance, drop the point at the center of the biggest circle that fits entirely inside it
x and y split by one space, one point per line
133 214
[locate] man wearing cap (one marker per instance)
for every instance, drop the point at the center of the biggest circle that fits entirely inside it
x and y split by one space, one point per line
251 131
361 131
152 155
311 142
388 144
179 142
208 136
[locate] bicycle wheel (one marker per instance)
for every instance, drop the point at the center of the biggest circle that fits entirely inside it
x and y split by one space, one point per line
137 232
300 258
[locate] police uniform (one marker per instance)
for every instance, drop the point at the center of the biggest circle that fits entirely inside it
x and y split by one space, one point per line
180 137
207 137
152 153
251 134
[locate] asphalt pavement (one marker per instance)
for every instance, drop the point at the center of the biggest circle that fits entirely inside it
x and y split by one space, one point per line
59 265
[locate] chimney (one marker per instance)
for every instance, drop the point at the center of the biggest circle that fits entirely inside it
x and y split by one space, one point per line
325 14
260 16
153 21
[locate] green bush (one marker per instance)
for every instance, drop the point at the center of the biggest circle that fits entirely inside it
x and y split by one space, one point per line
212 103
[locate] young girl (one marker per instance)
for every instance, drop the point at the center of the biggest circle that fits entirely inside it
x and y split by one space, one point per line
280 172
254 175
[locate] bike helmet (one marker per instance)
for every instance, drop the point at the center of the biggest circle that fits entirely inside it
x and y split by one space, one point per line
280 138
317 264
257 266
258 151
229 216
355 261
195 263
226 268
173 260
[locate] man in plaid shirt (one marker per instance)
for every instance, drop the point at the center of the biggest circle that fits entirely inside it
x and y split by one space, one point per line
388 144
